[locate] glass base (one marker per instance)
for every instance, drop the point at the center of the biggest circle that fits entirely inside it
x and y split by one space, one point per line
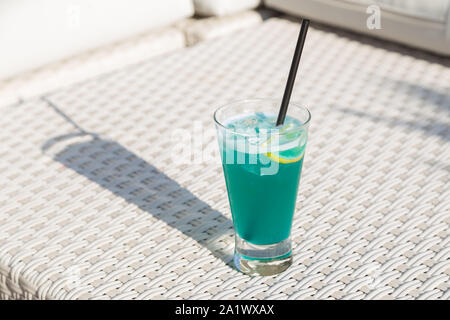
263 260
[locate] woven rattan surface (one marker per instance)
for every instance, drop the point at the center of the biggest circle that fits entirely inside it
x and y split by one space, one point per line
97 202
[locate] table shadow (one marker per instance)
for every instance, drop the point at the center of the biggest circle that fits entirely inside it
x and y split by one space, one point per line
119 170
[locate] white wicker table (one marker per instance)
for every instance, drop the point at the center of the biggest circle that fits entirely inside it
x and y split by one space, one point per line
94 205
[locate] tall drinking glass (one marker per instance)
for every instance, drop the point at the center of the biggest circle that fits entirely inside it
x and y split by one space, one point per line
262 164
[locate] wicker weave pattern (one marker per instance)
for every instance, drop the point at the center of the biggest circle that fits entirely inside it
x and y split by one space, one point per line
102 211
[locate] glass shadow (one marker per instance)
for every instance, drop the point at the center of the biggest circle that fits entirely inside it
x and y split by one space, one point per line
117 169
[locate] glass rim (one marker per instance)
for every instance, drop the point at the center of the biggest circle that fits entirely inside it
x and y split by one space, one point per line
277 132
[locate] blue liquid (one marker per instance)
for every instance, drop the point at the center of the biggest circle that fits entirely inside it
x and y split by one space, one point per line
262 205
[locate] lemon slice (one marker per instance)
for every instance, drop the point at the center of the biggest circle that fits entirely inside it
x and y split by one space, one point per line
287 156
282 130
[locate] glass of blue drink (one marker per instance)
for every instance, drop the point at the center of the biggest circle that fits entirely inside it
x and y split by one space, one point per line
262 164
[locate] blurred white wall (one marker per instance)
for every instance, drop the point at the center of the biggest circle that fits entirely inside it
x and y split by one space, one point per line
36 32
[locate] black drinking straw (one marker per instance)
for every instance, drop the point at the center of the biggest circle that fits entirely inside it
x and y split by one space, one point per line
293 72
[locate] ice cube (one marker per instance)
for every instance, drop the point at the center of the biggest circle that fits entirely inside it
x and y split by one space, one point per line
260 115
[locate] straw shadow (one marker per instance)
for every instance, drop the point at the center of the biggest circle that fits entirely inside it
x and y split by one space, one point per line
429 126
437 98
113 167
434 98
